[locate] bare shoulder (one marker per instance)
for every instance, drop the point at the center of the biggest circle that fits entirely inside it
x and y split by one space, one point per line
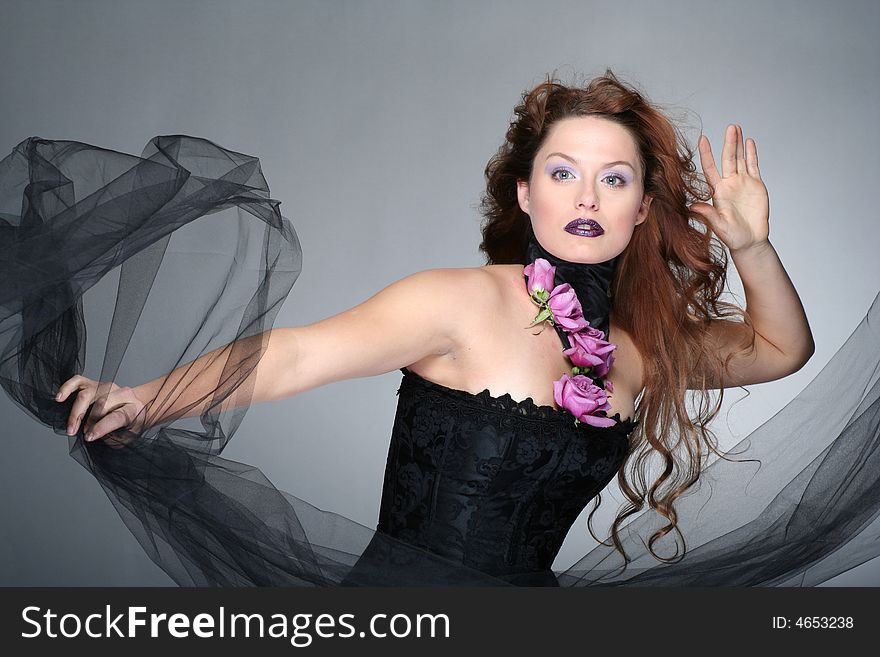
455 297
458 286
504 272
478 280
505 281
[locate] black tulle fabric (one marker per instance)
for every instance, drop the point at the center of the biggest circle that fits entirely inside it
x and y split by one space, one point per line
478 491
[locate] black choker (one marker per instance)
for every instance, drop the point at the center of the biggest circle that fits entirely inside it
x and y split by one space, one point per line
591 284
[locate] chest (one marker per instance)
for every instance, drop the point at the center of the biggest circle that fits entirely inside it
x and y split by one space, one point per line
525 362
502 354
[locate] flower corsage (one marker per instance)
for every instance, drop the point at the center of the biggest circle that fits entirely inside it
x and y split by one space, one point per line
583 392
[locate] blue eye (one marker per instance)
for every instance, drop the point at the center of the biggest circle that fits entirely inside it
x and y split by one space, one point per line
613 176
562 174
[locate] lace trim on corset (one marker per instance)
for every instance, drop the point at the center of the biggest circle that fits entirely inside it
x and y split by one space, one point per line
526 408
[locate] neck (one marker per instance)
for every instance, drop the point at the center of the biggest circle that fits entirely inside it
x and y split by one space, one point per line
591 282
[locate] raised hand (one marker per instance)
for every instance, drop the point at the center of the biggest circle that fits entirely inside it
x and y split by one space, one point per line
740 210
116 407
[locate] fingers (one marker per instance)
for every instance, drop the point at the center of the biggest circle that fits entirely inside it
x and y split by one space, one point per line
99 408
120 409
729 152
707 161
69 386
105 411
115 419
737 155
752 158
706 211
84 389
740 150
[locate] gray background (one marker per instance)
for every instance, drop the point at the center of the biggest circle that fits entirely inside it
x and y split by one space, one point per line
373 121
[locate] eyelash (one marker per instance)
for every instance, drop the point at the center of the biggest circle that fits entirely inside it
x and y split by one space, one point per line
555 176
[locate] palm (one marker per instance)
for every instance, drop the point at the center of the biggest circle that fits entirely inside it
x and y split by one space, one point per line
740 209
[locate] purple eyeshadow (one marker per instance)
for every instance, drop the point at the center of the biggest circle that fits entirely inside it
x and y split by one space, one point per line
625 178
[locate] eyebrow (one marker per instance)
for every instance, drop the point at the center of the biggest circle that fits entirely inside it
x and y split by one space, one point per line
574 161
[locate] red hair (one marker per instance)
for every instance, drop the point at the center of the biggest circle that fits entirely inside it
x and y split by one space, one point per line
665 290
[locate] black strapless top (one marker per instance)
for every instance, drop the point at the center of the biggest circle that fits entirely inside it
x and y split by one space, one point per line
488 482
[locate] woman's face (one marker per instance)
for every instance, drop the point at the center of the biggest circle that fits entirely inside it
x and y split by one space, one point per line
585 195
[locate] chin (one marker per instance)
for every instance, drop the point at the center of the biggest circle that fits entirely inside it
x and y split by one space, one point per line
589 253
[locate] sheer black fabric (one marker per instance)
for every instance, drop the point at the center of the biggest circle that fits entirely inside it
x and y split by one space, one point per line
478 490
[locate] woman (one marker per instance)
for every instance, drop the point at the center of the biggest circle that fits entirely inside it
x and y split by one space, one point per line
494 456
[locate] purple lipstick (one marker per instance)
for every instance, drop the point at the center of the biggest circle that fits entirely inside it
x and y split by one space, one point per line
584 228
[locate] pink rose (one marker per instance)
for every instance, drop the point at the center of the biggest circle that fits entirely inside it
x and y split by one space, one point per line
582 398
541 275
590 349
566 308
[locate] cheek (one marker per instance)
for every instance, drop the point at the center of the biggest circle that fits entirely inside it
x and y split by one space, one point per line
552 200
630 211
540 207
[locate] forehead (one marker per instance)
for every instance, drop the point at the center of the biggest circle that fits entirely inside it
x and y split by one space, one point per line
591 138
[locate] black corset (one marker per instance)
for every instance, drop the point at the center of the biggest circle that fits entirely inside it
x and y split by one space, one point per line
489 482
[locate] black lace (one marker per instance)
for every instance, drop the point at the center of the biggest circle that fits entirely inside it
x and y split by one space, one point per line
507 404
489 481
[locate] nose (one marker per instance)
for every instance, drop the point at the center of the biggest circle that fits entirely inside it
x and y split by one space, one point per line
587 197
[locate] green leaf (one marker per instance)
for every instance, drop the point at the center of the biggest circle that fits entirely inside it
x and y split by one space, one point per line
542 316
540 297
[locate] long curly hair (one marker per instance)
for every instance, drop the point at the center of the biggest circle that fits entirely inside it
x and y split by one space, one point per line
665 290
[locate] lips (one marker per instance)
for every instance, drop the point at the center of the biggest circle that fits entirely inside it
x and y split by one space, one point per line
584 227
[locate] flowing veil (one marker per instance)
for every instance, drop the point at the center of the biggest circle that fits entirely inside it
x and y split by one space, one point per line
197 256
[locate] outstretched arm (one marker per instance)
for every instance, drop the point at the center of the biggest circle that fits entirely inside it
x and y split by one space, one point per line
410 319
739 215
